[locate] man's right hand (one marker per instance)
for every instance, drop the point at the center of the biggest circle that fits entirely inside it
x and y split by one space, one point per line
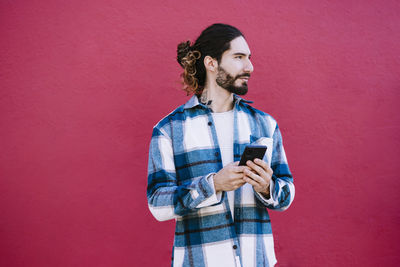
229 178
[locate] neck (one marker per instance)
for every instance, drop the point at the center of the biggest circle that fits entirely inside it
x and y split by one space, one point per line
221 99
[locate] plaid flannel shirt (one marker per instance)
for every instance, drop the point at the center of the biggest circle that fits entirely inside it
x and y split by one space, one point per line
183 154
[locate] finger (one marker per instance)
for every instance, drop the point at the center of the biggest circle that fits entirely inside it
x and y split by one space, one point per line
257 168
247 168
252 182
236 175
243 168
232 164
240 182
255 177
263 165
238 168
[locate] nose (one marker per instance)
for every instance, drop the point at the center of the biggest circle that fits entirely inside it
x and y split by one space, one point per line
249 67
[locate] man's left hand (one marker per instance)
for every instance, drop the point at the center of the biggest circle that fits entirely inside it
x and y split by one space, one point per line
259 176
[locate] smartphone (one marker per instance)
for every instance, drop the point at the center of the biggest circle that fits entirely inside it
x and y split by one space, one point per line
252 152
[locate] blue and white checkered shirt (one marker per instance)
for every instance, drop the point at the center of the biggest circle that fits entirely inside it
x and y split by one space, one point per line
184 152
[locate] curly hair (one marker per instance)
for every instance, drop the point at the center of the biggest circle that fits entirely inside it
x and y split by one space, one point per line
213 42
188 62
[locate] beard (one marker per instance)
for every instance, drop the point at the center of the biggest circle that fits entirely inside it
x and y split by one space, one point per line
226 81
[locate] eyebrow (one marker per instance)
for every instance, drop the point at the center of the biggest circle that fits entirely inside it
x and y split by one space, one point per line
241 54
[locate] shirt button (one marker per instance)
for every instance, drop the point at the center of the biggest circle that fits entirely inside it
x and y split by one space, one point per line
216 154
234 247
209 123
227 216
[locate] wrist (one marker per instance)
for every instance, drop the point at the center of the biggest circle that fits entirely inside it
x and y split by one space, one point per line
266 193
216 185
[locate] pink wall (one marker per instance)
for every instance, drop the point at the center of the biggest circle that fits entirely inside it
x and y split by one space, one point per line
83 82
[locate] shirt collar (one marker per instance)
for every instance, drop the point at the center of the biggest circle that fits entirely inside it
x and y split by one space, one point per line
194 101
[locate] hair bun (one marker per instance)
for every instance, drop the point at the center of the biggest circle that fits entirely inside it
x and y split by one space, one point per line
187 58
182 51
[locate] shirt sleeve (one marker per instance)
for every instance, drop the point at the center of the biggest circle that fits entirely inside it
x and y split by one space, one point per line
166 199
215 198
267 201
282 189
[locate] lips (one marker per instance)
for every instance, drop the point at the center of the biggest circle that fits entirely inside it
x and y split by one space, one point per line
244 78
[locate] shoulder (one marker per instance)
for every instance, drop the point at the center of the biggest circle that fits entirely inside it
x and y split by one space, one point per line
258 114
164 125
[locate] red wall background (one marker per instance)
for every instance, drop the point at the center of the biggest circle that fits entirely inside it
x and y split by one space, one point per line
83 82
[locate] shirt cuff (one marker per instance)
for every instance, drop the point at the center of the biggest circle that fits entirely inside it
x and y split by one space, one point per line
268 201
215 198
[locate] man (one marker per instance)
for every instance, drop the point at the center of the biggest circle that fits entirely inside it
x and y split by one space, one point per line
220 208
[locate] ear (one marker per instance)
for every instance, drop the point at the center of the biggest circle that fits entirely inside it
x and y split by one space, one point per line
210 63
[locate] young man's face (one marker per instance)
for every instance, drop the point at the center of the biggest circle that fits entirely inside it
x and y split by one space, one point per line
235 67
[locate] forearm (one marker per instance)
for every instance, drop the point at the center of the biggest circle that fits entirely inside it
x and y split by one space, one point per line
281 193
168 197
282 188
170 201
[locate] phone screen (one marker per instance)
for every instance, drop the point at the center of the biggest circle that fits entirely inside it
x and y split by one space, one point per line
251 153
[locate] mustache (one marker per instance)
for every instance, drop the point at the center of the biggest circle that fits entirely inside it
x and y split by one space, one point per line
242 75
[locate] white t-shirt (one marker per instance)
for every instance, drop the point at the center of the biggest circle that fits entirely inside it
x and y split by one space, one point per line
223 122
